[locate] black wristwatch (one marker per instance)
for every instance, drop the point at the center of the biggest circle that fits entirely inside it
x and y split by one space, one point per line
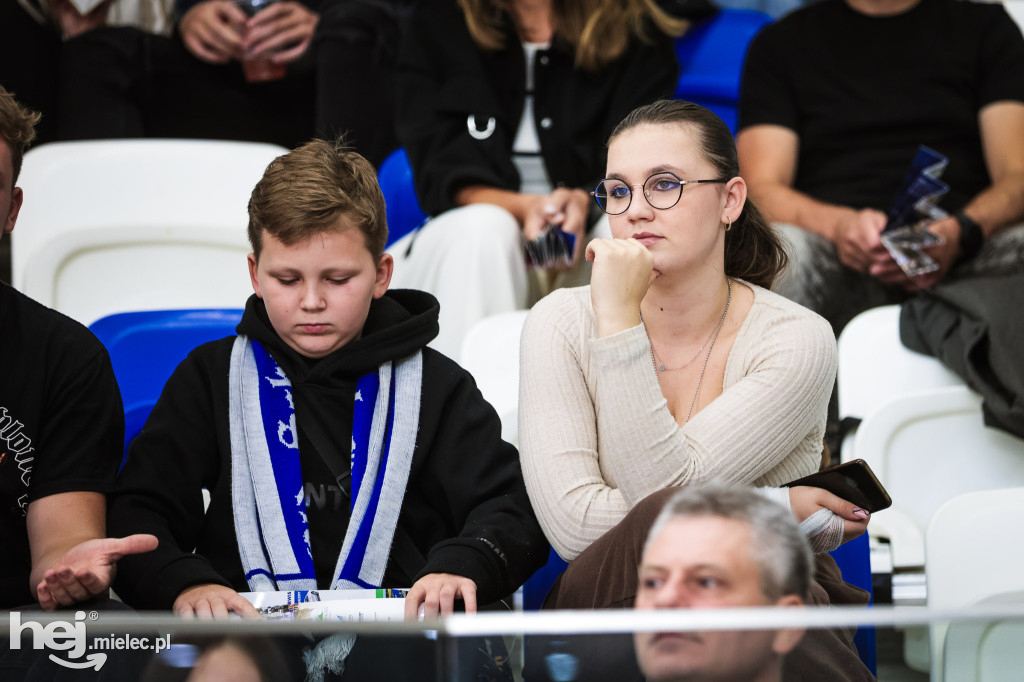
971 236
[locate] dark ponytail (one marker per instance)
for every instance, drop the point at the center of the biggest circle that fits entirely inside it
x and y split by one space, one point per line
753 249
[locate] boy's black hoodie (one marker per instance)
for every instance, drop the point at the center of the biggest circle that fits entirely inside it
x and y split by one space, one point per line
465 508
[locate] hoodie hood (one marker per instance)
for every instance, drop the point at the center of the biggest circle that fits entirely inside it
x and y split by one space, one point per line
399 323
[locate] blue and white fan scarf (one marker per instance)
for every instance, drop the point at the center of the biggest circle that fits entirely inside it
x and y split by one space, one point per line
266 480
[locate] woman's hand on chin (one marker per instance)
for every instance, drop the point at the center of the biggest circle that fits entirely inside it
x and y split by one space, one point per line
623 271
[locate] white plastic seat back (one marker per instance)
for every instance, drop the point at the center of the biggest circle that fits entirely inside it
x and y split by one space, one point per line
927 448
116 225
490 352
875 366
986 651
975 554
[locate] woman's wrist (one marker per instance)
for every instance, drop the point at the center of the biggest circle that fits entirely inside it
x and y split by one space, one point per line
615 321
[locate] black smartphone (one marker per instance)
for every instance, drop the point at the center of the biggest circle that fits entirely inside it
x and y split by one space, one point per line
853 481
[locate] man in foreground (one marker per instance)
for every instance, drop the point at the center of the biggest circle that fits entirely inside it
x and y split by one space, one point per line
715 547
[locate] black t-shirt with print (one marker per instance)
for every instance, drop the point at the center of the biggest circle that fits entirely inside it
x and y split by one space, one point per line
61 423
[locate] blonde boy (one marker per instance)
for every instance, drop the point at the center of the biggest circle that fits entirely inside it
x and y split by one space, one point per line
339 451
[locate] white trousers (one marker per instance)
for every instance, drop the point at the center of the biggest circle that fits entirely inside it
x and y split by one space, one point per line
471 258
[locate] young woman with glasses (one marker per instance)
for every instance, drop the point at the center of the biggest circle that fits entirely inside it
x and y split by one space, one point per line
675 366
504 107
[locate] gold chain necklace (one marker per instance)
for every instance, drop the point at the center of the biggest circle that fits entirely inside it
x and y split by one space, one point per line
661 365
710 344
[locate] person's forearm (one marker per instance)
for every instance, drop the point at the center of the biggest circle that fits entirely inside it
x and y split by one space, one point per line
783 204
558 435
998 206
57 523
513 202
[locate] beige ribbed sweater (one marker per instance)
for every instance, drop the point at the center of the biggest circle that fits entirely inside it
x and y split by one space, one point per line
596 435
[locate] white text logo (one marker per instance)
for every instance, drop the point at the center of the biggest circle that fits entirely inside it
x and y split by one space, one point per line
71 638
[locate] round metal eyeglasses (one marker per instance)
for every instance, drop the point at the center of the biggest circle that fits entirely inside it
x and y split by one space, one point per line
662 191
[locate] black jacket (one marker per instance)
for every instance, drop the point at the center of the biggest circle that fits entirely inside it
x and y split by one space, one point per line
444 78
969 325
465 509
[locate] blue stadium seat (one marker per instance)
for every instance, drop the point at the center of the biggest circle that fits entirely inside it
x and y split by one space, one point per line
404 212
711 56
146 346
854 560
539 584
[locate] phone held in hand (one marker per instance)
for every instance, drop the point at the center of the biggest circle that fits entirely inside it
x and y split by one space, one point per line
853 481
553 248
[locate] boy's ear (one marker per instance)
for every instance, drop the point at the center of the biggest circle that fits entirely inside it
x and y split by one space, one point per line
12 216
252 275
385 268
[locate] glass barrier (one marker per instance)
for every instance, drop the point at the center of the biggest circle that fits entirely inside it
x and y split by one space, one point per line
985 642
